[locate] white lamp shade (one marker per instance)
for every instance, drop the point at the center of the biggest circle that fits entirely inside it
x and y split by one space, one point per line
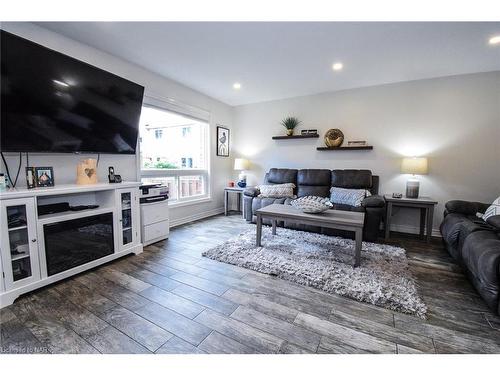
414 166
241 164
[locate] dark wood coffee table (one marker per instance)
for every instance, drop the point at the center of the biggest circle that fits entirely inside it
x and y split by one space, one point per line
336 219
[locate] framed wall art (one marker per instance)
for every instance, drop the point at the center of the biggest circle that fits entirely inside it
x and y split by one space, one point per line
222 141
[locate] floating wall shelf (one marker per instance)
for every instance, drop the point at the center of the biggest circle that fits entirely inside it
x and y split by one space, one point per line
296 136
344 148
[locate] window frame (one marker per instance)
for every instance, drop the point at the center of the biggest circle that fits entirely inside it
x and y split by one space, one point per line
197 114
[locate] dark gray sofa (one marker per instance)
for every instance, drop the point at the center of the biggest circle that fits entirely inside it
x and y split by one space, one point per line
318 182
475 244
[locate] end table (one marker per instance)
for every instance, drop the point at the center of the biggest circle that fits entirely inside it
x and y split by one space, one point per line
424 204
239 192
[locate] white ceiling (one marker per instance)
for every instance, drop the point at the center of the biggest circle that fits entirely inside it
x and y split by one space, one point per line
281 60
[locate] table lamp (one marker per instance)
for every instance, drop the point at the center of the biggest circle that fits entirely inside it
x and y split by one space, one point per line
413 166
241 165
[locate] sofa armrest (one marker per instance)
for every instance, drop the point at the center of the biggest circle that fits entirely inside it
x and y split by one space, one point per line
251 192
494 221
373 201
465 207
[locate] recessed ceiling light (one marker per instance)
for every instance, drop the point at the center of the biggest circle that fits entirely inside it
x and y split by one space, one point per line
236 85
337 66
495 39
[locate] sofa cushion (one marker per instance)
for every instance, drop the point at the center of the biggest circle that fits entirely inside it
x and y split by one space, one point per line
314 182
481 256
352 197
277 191
492 210
281 176
352 178
450 229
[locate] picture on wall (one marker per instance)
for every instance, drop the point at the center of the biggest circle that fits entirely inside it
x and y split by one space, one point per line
44 176
222 141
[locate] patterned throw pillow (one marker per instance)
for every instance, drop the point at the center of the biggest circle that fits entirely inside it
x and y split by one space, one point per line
351 197
492 210
277 191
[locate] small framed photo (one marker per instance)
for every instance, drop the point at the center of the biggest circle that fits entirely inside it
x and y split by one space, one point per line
30 177
222 141
44 176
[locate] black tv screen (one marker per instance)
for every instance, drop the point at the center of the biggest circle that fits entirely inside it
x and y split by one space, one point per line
51 102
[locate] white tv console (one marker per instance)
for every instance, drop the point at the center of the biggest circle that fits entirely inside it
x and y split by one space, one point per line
23 260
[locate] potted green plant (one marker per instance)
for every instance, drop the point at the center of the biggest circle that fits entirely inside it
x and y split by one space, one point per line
290 123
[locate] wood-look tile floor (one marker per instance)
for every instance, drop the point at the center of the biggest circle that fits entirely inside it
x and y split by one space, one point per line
169 299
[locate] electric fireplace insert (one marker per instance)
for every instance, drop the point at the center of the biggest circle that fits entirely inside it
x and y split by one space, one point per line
71 243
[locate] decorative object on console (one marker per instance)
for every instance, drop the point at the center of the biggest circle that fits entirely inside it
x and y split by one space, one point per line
3 184
44 176
397 195
290 123
311 204
86 172
222 141
277 191
230 184
351 197
334 138
413 166
241 165
30 177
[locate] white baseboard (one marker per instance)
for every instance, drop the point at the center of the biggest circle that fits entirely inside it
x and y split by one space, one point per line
412 230
201 215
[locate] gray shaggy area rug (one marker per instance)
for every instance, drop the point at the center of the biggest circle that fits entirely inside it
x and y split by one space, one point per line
325 263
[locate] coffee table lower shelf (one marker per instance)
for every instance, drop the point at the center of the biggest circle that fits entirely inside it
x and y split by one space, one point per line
342 220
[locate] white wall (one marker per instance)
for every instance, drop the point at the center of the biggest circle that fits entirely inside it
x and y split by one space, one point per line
156 86
454 121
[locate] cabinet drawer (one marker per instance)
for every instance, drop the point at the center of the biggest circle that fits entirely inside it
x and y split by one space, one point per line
156 230
154 212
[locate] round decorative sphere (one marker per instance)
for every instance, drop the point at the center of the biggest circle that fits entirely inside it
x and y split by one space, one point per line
311 204
334 138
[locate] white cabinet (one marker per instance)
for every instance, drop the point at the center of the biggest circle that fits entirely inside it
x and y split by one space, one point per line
155 222
128 220
19 246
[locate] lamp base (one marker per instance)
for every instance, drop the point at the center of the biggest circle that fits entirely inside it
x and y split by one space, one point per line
242 180
412 188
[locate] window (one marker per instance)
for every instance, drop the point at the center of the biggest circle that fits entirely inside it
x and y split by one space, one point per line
174 151
158 133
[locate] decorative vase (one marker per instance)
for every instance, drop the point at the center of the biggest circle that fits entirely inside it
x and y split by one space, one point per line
289 132
334 138
86 172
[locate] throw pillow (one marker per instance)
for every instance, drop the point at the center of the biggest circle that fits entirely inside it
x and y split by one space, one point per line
351 197
492 210
277 191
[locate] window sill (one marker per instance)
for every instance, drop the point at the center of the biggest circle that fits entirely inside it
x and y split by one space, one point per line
176 204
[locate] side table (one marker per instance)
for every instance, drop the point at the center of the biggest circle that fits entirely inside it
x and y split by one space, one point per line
424 204
238 191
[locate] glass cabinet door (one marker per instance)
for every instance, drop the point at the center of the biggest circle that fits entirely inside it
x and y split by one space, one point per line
127 221
19 247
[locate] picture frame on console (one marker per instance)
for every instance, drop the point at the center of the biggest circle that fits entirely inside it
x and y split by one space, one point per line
44 176
30 177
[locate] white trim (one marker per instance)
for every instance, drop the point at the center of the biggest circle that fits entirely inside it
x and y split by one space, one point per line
199 216
173 105
412 230
182 203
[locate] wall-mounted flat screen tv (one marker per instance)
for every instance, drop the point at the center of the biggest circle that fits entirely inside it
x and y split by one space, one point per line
51 102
